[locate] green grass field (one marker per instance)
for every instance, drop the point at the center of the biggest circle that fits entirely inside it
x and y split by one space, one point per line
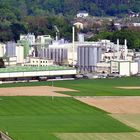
28 118
99 136
97 87
41 118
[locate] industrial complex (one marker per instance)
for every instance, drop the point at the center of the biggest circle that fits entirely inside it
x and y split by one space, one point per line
42 56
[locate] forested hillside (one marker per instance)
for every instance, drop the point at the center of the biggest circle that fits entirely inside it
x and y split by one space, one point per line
40 16
70 7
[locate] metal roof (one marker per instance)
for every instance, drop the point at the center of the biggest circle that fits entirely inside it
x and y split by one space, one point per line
33 68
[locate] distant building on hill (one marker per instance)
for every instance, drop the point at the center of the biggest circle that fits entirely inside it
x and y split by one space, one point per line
82 14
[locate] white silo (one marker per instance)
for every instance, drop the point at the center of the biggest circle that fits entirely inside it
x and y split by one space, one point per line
88 56
81 38
2 50
20 54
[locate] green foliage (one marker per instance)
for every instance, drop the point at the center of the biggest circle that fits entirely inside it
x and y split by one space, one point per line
39 16
133 37
2 65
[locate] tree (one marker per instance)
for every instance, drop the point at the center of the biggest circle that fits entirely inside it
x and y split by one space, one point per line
2 65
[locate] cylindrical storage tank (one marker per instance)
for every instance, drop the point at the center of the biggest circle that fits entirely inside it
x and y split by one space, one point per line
86 56
82 55
138 65
92 57
99 54
78 56
11 49
81 38
20 54
1 50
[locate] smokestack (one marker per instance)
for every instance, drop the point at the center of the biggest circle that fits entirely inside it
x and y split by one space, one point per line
125 42
73 43
118 42
118 45
125 49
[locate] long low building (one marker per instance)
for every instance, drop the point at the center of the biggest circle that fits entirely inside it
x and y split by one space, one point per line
36 72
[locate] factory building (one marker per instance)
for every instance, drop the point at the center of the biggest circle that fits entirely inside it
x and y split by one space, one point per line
124 68
29 37
87 57
11 49
34 61
44 39
58 55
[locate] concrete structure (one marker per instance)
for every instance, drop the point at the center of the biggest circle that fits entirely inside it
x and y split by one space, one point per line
58 55
138 61
87 57
2 49
14 73
120 67
20 54
103 67
11 49
29 37
134 68
114 51
44 39
10 61
124 68
34 61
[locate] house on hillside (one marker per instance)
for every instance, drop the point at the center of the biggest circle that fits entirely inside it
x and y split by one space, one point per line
82 14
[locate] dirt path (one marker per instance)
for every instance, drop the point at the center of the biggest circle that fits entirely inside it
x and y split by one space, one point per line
121 105
128 87
34 91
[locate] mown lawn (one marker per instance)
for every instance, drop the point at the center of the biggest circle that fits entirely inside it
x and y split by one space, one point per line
38 118
96 87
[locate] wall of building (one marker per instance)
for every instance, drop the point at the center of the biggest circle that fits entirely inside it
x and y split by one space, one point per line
37 73
20 54
134 68
2 50
124 68
39 62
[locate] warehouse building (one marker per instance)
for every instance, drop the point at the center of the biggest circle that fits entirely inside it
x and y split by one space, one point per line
124 68
20 73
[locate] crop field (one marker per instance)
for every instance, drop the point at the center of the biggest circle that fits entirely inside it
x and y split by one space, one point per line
65 118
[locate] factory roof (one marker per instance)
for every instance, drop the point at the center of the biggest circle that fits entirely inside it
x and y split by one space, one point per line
33 68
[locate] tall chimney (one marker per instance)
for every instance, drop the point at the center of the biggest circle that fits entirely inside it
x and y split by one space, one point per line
118 45
73 43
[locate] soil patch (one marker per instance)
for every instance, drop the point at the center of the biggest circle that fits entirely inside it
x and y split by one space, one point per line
121 105
132 120
128 87
34 91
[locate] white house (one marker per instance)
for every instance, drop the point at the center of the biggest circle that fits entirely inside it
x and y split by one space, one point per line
82 14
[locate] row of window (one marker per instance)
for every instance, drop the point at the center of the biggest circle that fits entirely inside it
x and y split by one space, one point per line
40 61
36 65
